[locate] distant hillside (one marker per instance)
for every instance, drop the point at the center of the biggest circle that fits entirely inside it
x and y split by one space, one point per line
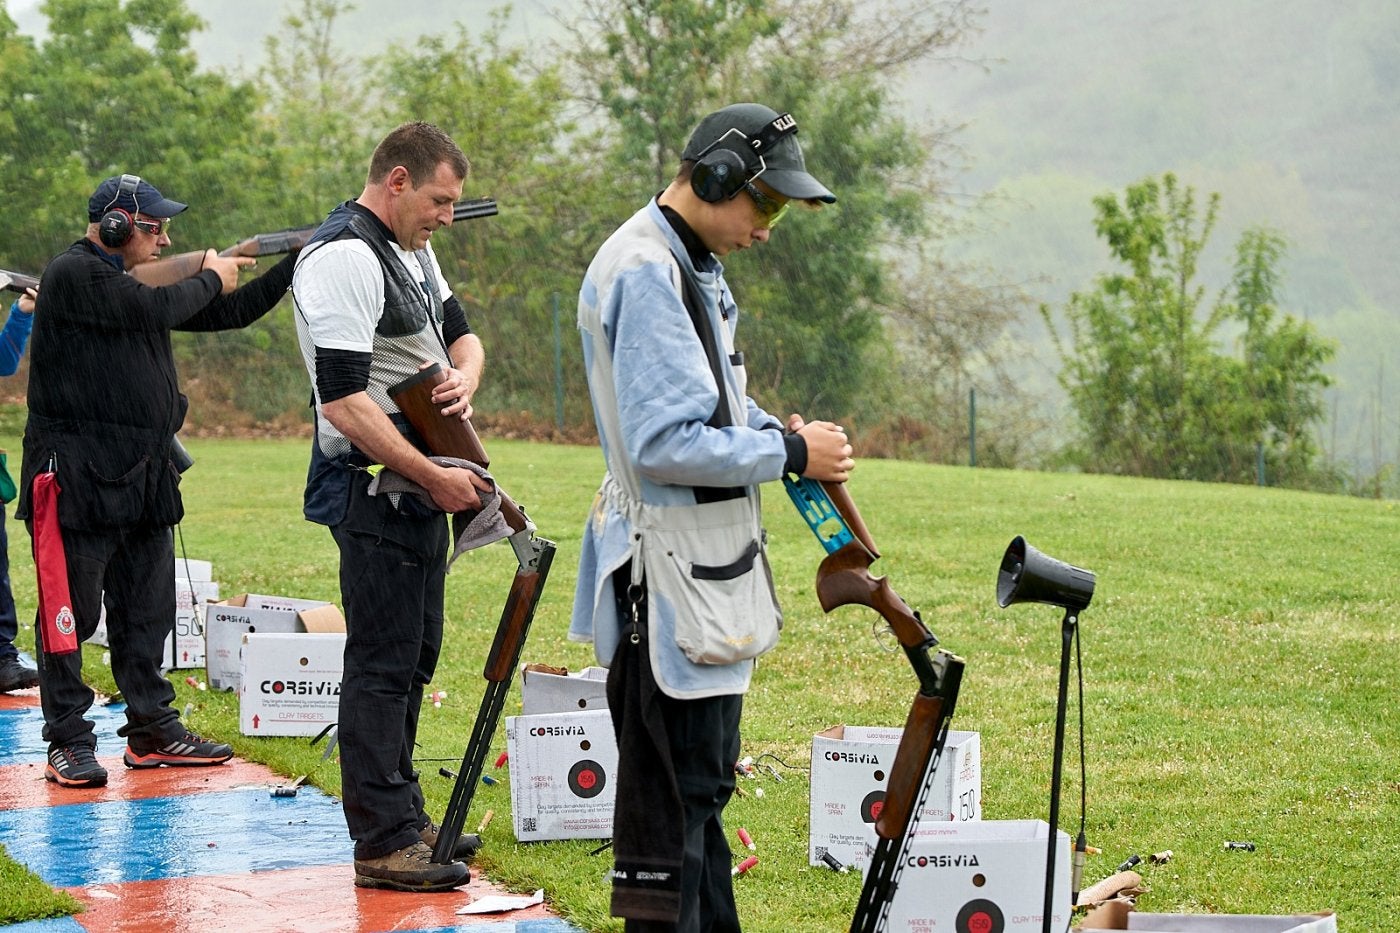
1290 109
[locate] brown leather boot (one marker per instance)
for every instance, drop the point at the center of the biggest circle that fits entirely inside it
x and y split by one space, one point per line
410 869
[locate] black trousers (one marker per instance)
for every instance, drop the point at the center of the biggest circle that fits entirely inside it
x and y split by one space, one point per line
392 567
699 740
133 569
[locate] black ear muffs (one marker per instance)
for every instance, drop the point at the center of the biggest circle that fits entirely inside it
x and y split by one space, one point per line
114 229
720 172
116 226
719 175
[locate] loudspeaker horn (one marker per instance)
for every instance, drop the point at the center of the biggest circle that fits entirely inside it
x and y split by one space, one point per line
1028 576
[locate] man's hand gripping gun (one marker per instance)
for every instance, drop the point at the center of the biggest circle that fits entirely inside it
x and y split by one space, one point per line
844 578
453 437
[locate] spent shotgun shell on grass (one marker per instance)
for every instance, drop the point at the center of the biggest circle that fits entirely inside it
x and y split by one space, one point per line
744 866
746 839
1240 846
1129 862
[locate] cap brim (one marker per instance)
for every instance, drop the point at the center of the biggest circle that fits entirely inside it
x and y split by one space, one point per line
797 185
163 208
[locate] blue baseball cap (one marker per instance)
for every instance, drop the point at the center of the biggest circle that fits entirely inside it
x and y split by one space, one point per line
141 196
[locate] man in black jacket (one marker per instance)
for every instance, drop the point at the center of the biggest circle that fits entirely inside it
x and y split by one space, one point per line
104 406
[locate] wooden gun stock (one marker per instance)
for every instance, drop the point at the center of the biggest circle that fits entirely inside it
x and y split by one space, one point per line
17 281
446 437
844 578
171 269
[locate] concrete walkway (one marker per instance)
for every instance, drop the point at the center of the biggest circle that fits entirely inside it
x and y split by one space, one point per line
203 848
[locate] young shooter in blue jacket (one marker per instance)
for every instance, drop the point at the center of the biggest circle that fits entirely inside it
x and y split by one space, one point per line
674 588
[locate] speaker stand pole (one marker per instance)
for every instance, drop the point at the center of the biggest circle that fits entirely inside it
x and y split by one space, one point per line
1067 627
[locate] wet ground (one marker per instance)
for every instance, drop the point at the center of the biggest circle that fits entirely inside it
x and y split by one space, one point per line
184 849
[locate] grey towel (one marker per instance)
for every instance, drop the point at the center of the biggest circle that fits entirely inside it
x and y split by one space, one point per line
471 529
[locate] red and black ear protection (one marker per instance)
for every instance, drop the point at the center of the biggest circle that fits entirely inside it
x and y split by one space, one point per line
724 166
117 224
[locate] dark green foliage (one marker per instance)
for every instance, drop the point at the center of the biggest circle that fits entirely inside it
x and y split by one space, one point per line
1154 392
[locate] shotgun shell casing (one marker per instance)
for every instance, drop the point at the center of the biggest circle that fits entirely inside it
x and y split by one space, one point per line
745 865
485 821
1129 862
502 758
832 862
1240 846
488 780
284 790
745 838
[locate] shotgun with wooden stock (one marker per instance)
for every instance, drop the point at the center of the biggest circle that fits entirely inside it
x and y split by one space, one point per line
844 579
16 281
453 437
181 266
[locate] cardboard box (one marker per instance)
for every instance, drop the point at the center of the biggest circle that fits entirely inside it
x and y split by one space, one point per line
185 646
850 771
980 875
1119 916
563 775
191 569
543 691
191 593
290 683
228 620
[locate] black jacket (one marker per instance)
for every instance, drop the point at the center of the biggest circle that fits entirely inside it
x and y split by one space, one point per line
104 402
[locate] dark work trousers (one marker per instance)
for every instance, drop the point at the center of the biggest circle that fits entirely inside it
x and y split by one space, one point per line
9 621
133 568
702 738
392 567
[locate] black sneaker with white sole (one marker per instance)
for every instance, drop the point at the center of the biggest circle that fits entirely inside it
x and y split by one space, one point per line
74 766
189 750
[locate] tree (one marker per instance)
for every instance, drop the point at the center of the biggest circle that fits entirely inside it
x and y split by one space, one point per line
512 270
317 106
821 297
1153 392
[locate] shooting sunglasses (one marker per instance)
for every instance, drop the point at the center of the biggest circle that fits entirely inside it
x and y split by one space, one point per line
153 227
770 208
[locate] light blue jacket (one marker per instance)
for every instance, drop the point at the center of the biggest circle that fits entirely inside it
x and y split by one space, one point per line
653 392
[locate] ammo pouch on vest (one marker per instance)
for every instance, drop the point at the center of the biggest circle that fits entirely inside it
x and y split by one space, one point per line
709 561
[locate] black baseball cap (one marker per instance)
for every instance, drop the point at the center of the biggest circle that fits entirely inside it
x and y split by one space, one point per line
786 171
145 199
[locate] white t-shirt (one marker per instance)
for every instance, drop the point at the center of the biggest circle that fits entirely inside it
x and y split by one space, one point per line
339 292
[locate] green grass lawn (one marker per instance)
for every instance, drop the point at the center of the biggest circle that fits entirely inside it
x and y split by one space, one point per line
1240 662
